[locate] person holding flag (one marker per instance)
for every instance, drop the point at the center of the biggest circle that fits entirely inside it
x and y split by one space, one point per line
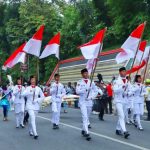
87 93
19 103
120 89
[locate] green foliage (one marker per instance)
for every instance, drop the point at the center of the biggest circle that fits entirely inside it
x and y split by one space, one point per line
77 20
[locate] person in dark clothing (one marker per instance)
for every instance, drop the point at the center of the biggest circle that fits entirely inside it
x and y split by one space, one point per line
109 98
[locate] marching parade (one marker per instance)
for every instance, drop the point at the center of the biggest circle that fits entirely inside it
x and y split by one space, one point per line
98 100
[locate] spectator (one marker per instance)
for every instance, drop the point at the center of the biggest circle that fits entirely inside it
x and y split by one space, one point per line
109 99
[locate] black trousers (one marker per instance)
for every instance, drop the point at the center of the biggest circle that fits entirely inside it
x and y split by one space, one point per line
5 111
102 107
148 109
109 103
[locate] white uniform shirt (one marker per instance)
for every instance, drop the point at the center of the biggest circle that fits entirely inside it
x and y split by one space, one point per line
34 96
57 91
18 93
83 88
139 92
120 90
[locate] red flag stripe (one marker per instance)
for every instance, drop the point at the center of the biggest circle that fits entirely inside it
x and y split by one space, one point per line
137 33
98 38
39 34
142 45
14 54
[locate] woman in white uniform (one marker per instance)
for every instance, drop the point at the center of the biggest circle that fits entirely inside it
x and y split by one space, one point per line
35 97
139 92
19 103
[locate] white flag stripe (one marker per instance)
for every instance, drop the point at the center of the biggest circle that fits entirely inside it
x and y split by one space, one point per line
49 50
90 51
33 47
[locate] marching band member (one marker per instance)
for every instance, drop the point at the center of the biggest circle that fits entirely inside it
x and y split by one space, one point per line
57 91
120 87
19 103
35 97
139 92
87 93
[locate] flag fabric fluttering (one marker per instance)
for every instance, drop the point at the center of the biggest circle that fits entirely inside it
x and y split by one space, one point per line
17 56
90 65
91 49
130 46
52 47
141 50
144 61
33 46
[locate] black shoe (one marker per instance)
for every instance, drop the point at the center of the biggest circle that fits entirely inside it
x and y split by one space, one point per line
36 137
54 126
31 134
17 127
118 132
88 138
22 126
126 135
57 127
83 133
89 126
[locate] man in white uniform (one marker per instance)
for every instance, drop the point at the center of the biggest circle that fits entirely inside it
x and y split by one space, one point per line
35 97
19 103
57 91
87 93
120 88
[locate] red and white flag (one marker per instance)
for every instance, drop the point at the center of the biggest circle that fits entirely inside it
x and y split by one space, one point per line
17 56
33 46
144 61
130 46
90 65
141 50
52 47
146 53
91 49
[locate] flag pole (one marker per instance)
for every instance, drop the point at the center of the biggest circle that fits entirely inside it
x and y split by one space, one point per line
145 71
137 49
37 68
94 66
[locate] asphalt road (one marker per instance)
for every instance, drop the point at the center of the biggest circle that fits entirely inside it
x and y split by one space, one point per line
68 137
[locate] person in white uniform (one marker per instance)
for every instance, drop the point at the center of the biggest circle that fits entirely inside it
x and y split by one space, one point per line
138 108
35 97
120 88
19 103
87 93
57 92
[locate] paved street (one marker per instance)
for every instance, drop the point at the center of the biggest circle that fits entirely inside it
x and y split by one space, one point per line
68 136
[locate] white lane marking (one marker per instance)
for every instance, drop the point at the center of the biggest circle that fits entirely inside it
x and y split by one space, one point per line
100 135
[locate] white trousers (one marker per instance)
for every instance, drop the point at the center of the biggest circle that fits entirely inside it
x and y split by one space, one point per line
56 114
19 113
85 111
32 121
138 111
121 109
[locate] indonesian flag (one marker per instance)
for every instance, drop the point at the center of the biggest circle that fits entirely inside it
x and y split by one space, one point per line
91 49
143 63
90 65
140 52
130 46
17 56
33 46
52 47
